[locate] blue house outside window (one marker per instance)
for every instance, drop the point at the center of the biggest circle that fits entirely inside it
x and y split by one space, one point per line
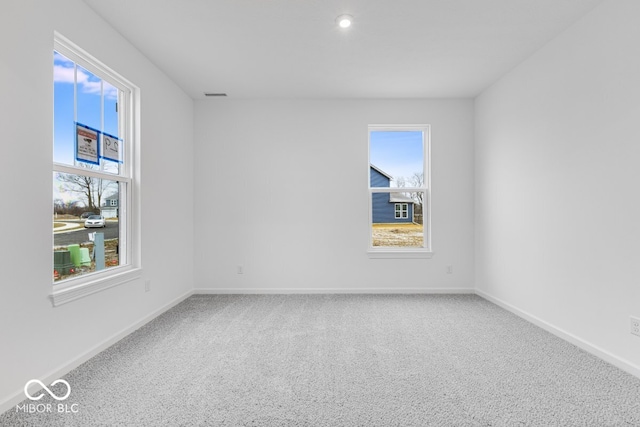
393 207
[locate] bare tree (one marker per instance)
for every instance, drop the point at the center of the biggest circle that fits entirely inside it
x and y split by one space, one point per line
59 206
89 189
70 207
417 180
400 181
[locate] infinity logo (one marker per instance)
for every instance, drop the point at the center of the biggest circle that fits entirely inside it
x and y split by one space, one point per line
38 397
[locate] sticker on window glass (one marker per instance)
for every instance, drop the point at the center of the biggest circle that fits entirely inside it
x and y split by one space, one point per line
111 148
86 144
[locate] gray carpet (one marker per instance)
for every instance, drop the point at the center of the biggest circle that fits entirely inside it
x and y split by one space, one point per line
343 360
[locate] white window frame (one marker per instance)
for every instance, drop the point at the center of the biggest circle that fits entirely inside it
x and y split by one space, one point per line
404 252
129 207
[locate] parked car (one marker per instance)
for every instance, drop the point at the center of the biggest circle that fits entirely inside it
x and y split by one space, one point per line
94 221
86 215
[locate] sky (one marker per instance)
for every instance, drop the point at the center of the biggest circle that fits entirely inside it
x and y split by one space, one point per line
96 108
397 153
90 104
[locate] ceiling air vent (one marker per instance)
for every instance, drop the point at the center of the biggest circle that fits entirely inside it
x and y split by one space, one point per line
214 94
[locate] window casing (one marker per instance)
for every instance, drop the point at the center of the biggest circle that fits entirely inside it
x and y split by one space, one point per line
95 157
399 191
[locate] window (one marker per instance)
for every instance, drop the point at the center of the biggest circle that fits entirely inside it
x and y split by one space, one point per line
95 245
402 210
399 191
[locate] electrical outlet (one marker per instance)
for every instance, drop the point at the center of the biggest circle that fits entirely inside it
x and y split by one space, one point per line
450 269
635 326
240 270
147 285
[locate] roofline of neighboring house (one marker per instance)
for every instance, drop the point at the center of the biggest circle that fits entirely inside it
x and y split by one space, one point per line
398 197
380 170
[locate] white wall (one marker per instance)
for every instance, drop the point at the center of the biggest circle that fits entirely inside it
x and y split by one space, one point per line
282 190
37 339
557 206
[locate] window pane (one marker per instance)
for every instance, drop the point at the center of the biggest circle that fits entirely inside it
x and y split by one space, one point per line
111 166
396 224
111 125
396 158
63 115
89 93
81 206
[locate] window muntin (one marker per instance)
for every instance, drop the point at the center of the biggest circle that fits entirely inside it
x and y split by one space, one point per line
399 159
88 96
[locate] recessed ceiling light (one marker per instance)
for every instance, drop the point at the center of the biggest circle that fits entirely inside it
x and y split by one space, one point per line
344 21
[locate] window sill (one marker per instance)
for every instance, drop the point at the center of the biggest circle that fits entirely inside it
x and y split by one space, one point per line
81 287
399 254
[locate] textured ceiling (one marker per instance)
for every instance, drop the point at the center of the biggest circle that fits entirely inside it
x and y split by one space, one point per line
292 48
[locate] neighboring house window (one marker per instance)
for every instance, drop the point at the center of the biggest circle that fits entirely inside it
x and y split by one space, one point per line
399 191
93 161
402 210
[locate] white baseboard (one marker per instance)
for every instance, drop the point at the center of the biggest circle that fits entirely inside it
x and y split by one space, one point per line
271 291
616 361
61 371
